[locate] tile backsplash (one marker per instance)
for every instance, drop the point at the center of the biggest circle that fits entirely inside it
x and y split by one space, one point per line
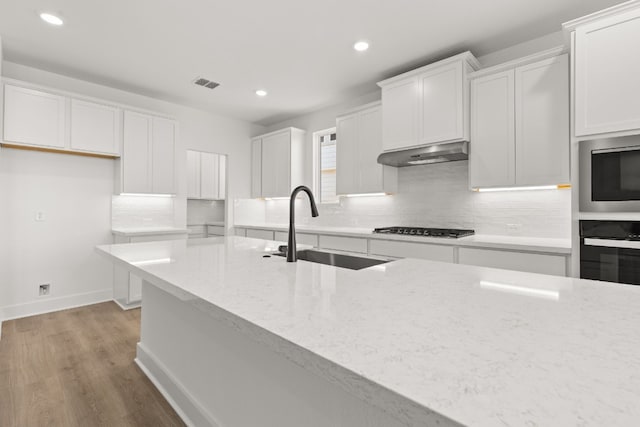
204 211
432 196
141 212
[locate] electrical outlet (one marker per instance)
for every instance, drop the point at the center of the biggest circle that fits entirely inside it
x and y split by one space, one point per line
44 289
39 216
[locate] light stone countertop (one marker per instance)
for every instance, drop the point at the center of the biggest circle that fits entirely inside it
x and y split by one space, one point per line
147 231
528 244
429 342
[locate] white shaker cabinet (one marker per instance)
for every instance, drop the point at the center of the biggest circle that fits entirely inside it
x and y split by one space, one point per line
148 158
206 175
520 125
492 151
359 135
280 166
210 176
33 117
606 69
95 127
427 105
193 174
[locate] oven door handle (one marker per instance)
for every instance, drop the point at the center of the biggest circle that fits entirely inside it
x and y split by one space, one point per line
611 243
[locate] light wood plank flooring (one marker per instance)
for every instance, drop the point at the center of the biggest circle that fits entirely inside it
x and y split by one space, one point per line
76 368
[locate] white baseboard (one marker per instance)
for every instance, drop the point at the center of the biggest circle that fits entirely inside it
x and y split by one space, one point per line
47 305
190 411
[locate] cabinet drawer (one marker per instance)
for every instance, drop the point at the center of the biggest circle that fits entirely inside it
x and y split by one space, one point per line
349 244
520 261
242 232
215 230
157 237
260 234
301 238
412 250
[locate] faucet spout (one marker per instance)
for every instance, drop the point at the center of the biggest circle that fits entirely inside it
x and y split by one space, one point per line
292 255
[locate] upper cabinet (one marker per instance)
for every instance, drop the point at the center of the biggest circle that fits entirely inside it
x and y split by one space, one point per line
148 160
359 134
520 125
34 117
277 163
427 105
206 175
606 71
38 118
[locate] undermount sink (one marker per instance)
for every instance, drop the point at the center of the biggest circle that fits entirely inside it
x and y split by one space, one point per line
351 262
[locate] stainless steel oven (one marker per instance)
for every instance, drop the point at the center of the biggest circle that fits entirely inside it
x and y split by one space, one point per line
610 175
610 251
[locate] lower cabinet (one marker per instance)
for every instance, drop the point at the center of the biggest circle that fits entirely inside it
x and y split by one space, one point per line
301 238
509 260
398 249
215 230
127 287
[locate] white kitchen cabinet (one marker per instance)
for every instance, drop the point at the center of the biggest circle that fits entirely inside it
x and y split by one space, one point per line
510 260
301 238
260 234
359 135
34 117
215 230
206 175
398 249
607 67
197 231
427 105
520 125
277 163
348 244
492 151
193 174
148 158
95 127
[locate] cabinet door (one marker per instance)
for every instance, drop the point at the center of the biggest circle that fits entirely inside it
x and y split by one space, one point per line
95 128
369 147
34 117
193 174
256 168
163 156
542 122
276 165
442 112
607 67
136 164
209 172
492 156
347 161
400 112
222 177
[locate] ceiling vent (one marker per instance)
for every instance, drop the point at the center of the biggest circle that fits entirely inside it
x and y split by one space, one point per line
206 83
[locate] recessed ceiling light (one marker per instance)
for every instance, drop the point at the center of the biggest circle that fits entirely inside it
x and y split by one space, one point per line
261 92
361 46
51 19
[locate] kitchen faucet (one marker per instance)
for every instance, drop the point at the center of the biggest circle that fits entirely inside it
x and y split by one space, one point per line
292 255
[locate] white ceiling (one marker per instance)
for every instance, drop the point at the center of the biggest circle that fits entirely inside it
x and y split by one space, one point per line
299 51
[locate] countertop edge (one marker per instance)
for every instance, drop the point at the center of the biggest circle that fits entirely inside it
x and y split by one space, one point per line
147 232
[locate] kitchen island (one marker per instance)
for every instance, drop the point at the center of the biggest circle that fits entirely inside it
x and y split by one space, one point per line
232 338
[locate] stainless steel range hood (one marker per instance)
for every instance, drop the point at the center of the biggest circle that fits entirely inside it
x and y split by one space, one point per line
435 153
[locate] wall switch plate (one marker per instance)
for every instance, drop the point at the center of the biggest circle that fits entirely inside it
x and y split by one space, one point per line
39 216
44 289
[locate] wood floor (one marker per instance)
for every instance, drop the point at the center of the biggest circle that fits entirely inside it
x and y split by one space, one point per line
76 368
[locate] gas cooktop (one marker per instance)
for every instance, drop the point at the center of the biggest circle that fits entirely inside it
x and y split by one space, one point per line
452 233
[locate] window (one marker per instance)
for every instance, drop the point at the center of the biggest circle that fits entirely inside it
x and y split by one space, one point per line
325 155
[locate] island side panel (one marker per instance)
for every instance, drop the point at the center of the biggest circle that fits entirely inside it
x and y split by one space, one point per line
216 376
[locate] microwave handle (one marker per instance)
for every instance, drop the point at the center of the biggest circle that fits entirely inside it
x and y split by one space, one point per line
611 243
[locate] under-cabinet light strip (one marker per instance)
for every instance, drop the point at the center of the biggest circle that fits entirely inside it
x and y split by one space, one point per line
533 187
364 195
146 195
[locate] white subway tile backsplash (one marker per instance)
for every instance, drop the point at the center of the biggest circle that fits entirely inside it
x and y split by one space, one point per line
205 211
434 196
141 211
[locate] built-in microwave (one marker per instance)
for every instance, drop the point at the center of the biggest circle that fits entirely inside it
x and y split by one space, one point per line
610 174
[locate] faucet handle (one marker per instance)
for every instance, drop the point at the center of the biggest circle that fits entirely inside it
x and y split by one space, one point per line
282 249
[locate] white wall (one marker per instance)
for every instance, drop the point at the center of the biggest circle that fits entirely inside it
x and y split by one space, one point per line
81 188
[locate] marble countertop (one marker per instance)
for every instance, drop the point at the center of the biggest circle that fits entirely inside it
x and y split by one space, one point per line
529 244
429 342
147 231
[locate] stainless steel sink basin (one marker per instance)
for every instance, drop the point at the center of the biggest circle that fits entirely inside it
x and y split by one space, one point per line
337 260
